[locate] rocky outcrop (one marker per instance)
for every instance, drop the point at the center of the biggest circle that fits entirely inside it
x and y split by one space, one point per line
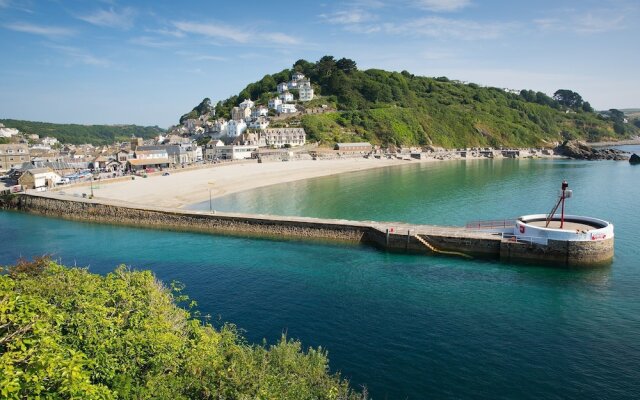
634 159
582 151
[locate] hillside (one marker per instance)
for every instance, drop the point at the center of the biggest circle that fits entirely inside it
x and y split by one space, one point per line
79 134
403 109
66 333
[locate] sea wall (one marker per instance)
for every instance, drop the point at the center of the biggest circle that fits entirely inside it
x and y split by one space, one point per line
407 242
568 253
93 211
431 240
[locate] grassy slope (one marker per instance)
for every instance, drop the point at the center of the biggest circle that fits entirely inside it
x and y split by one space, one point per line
400 108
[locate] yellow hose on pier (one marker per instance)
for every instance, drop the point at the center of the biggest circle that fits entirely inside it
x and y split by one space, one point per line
436 250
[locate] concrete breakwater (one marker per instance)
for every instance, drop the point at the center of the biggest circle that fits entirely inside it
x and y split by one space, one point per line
391 236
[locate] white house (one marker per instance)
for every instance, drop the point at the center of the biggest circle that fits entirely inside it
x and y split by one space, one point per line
306 91
297 76
260 111
247 104
8 132
220 127
283 87
287 109
293 85
232 152
286 97
259 123
236 128
210 152
39 178
274 103
280 137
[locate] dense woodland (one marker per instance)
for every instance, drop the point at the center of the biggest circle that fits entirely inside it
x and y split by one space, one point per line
399 108
66 333
80 134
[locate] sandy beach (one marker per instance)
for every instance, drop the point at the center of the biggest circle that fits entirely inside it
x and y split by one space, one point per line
182 188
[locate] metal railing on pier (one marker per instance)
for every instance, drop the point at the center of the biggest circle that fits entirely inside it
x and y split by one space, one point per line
491 224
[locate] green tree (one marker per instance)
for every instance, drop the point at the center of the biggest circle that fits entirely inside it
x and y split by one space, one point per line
586 107
568 98
346 65
67 333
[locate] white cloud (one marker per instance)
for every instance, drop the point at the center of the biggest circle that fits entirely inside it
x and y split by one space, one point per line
48 31
445 28
443 5
589 22
76 55
111 18
218 31
225 32
280 38
209 58
348 17
148 41
168 32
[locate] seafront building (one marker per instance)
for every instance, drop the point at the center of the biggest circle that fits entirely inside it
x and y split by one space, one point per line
13 156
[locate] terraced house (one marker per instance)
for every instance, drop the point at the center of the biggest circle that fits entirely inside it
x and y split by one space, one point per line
13 156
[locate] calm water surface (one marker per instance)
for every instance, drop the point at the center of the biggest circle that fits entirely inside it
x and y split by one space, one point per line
406 326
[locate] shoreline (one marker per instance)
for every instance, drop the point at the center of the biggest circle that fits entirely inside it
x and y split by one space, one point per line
627 142
182 189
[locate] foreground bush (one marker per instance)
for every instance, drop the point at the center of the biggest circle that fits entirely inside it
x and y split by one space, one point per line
67 333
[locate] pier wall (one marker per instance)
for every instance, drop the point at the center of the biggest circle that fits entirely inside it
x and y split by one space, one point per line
92 211
407 242
569 253
431 240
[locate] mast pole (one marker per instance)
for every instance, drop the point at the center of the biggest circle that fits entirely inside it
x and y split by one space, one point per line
565 185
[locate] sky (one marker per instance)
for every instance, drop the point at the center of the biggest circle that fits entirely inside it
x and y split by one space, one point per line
148 62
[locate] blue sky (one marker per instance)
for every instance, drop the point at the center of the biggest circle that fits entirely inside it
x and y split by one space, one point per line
148 62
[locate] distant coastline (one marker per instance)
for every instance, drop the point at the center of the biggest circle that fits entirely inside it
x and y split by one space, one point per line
616 143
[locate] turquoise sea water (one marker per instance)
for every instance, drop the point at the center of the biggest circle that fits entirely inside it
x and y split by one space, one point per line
407 326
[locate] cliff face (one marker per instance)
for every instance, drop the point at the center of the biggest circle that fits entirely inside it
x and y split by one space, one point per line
581 151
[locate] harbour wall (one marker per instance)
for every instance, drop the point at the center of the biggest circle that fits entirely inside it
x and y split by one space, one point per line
414 239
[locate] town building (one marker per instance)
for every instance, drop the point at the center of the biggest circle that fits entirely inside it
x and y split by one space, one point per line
13 156
360 147
287 109
305 90
286 97
7 132
219 128
210 152
259 123
297 76
39 178
238 113
284 137
148 159
283 87
49 141
247 104
231 152
260 111
274 103
184 153
235 128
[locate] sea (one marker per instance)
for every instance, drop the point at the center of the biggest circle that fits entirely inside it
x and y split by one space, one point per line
405 326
